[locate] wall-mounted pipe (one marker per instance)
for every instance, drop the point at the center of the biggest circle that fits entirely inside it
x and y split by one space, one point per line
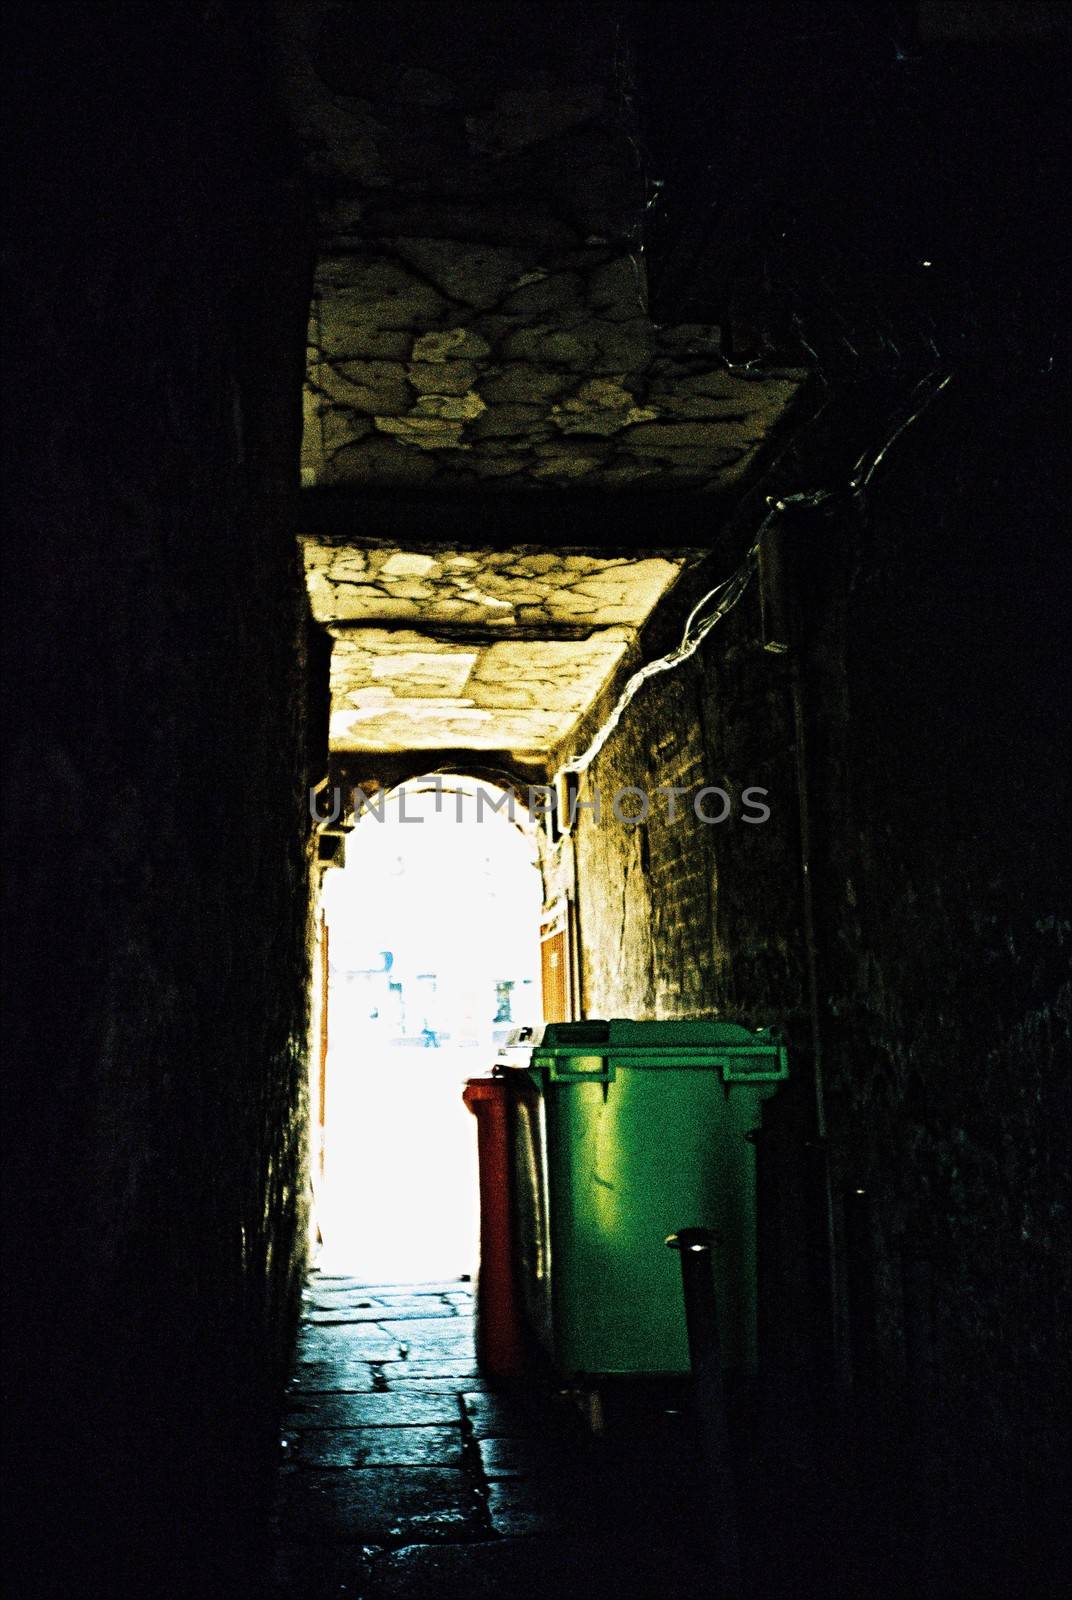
781 628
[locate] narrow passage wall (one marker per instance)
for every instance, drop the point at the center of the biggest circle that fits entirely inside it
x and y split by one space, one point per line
155 833
935 687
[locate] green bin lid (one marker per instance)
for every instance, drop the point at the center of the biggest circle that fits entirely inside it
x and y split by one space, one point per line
622 1033
741 1053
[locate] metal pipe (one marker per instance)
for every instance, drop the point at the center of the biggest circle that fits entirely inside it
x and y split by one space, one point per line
783 623
709 1399
807 896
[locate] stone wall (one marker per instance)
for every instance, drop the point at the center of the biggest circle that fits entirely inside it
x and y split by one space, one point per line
934 687
155 832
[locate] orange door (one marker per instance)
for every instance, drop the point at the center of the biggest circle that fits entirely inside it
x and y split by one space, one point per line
555 970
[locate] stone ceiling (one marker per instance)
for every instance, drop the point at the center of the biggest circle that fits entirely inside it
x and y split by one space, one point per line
523 369
480 327
474 649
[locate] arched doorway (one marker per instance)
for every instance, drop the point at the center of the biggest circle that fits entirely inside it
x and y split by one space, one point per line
434 947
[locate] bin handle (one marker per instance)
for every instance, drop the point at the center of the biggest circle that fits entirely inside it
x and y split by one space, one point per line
737 1063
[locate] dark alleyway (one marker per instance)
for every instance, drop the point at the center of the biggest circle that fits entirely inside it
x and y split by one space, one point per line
636 400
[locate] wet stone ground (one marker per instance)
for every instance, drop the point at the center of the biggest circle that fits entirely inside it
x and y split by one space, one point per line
405 1473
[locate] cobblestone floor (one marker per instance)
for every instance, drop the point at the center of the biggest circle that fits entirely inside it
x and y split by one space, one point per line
407 1474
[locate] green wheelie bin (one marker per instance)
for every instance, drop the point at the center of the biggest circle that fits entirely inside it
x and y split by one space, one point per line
626 1132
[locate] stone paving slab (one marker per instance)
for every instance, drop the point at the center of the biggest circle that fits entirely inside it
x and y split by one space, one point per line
513 1414
514 1509
362 1410
379 1504
334 1315
417 1445
419 1341
325 1377
370 1317
448 1338
375 1291
361 1309
426 1305
455 1324
521 1458
342 1294
438 1366
432 1336
421 1377
442 1383
334 1343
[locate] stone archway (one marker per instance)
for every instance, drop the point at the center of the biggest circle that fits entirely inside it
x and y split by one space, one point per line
434 942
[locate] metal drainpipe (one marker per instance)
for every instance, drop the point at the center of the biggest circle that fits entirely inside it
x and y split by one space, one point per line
781 636
574 944
565 792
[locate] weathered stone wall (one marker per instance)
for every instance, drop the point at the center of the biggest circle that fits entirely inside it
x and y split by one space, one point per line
934 690
155 840
480 319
